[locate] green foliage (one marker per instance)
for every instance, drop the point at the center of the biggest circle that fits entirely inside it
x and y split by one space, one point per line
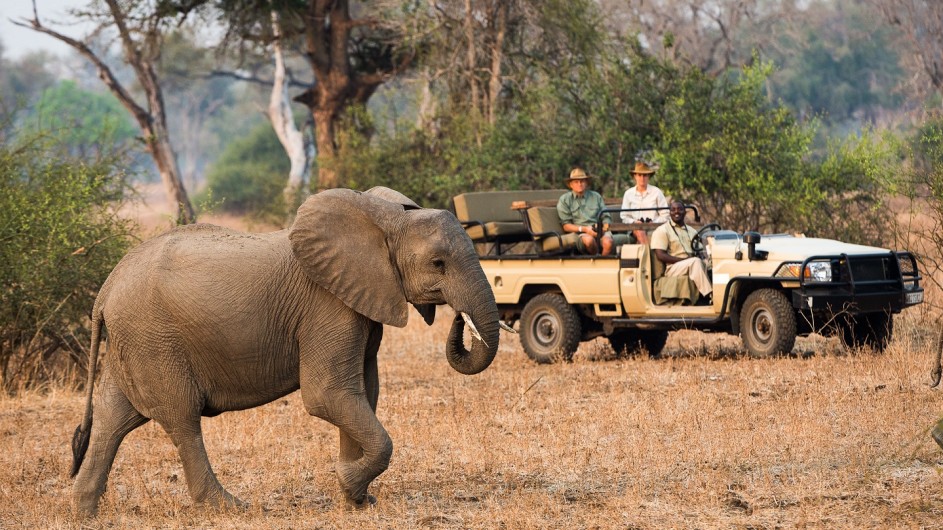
250 175
59 239
749 165
720 143
85 123
843 66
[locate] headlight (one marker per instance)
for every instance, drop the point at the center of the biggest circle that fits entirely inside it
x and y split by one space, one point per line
816 271
819 271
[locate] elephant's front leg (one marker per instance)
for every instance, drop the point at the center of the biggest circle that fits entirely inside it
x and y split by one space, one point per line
365 446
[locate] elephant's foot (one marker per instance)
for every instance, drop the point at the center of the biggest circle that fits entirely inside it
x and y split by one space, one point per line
937 433
222 500
85 501
367 501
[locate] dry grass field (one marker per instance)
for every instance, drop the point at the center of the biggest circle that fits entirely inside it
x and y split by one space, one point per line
706 438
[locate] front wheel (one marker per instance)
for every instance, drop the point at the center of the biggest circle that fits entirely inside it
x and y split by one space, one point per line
631 342
550 329
768 323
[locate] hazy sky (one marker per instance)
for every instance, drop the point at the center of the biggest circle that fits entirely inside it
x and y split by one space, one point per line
17 41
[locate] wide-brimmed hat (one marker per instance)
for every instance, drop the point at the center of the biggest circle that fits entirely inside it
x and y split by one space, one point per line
577 174
641 168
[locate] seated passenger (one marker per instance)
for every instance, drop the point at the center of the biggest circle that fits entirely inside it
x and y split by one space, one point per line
643 195
672 245
578 210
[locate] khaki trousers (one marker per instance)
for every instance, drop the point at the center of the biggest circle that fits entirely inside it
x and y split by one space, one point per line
696 270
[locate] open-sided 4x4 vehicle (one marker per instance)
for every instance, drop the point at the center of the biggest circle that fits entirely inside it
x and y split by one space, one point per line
768 289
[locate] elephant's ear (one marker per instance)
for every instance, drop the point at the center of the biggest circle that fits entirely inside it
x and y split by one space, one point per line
393 196
338 239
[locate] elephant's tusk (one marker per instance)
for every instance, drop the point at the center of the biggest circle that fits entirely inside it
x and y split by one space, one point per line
474 330
506 327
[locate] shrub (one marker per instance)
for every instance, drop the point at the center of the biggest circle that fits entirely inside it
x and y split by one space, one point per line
249 176
59 239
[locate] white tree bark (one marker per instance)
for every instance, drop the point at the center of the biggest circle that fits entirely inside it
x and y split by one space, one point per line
300 152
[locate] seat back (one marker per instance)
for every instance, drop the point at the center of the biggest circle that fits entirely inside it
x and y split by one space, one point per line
658 266
544 225
485 206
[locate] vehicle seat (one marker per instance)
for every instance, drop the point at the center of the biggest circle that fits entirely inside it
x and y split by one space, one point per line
543 222
671 290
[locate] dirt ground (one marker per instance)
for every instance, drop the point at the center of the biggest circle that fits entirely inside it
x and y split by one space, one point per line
705 438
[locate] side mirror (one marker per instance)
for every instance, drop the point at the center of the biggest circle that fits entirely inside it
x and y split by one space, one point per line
751 239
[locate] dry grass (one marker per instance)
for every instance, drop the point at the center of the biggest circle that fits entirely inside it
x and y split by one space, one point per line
707 438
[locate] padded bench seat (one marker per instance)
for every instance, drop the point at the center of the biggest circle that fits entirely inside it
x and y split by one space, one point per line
488 218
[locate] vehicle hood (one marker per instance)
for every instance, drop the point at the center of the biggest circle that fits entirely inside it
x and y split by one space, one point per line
790 248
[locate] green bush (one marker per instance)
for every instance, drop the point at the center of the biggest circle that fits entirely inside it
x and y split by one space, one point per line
59 239
249 176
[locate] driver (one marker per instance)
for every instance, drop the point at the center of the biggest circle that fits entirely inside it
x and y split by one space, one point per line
673 246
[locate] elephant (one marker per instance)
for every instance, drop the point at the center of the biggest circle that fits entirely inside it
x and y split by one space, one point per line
202 320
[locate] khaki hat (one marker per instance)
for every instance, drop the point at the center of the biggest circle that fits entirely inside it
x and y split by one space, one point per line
577 174
641 168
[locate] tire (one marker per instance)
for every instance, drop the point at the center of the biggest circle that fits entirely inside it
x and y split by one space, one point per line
632 342
550 329
872 330
767 323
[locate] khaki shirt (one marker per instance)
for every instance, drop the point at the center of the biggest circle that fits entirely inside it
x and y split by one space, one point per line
675 239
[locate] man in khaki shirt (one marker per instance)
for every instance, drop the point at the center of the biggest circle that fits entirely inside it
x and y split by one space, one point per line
671 243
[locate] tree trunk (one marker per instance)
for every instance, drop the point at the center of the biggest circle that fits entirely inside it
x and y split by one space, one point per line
292 139
141 56
470 55
497 57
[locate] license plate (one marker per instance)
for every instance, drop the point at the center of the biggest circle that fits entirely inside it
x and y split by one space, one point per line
914 298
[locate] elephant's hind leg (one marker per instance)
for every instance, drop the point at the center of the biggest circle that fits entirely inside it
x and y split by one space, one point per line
114 417
187 436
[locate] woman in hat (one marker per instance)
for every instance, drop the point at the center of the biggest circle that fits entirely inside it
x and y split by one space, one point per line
644 195
578 210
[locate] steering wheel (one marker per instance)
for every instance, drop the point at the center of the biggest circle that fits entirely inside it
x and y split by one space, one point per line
697 243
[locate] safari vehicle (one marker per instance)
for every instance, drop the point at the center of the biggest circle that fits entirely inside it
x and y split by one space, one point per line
768 289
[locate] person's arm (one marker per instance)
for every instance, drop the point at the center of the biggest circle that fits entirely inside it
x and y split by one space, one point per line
659 245
627 217
665 257
606 217
566 219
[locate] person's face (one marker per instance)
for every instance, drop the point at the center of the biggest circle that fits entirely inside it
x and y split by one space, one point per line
579 186
641 179
676 212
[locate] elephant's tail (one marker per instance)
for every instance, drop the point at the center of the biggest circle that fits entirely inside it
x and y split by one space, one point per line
82 433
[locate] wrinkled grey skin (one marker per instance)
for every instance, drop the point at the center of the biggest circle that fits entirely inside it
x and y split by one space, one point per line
203 320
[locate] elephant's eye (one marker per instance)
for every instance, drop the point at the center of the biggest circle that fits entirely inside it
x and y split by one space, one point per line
439 265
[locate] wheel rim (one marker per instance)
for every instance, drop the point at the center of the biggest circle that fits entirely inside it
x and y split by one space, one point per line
546 329
762 325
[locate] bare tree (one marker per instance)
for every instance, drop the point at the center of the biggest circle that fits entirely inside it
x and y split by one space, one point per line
350 58
921 27
706 34
300 151
140 27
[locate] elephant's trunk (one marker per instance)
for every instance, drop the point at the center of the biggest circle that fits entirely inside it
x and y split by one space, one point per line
483 319
482 351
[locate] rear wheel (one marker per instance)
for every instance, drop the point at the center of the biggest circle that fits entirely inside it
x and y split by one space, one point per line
631 342
767 323
873 330
550 329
